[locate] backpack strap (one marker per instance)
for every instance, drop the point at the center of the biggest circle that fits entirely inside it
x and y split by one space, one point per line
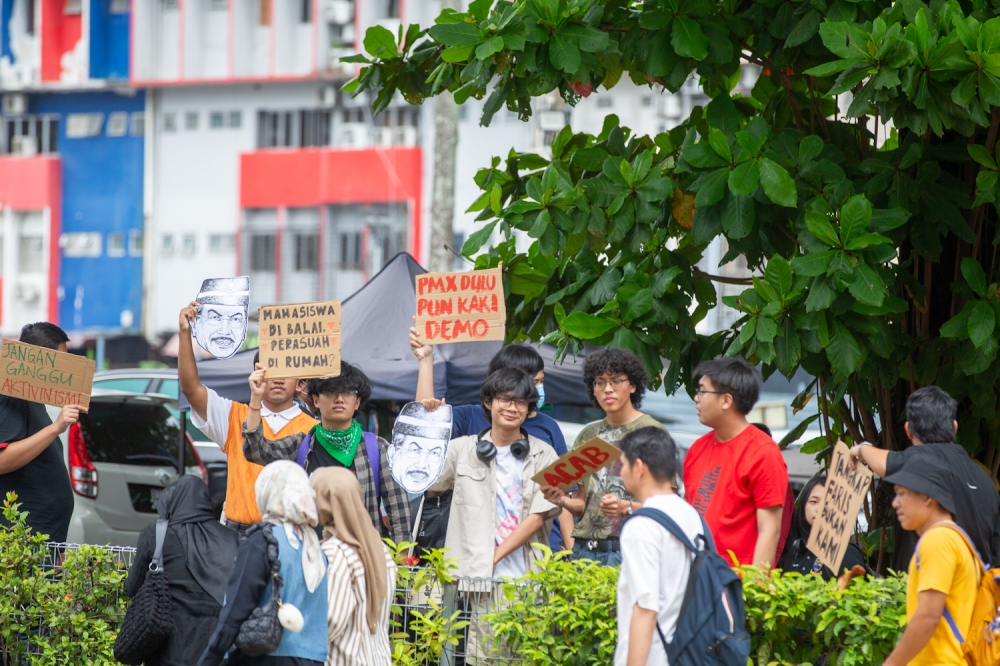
161 534
374 460
667 523
303 451
968 542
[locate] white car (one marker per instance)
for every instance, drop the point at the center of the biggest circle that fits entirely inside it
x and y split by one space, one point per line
120 456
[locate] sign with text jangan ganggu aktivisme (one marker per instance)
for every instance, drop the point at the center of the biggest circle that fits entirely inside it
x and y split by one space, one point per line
578 463
845 491
45 375
461 307
300 340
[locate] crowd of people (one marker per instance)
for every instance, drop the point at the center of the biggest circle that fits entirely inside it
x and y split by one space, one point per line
310 497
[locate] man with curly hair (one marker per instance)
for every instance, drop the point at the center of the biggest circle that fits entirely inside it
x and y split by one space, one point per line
616 382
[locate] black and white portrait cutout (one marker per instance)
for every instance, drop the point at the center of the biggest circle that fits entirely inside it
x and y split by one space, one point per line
221 325
419 443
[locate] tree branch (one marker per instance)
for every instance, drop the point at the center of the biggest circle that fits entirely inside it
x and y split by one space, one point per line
702 275
786 83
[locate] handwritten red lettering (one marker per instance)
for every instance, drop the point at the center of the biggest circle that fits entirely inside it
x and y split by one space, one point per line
595 455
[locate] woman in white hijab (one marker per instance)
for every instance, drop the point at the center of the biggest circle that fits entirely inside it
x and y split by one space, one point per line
288 506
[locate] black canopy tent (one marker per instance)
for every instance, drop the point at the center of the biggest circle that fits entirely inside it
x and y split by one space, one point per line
374 326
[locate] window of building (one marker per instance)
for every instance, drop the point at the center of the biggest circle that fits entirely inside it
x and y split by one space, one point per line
29 135
73 7
293 129
235 119
463 112
135 243
189 245
29 17
31 253
604 102
191 120
117 124
138 123
306 252
119 6
458 240
78 244
168 5
647 100
262 248
116 244
167 245
350 250
83 125
306 11
216 120
392 8
221 243
355 115
170 122
219 5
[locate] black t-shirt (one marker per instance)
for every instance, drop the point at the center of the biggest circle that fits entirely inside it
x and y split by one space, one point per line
799 559
977 504
42 486
318 457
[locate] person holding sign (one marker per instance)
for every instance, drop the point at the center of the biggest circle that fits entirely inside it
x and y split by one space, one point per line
616 382
31 455
220 419
735 475
336 441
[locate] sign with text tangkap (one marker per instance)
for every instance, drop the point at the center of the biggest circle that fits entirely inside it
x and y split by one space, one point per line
301 340
45 375
834 524
578 463
461 307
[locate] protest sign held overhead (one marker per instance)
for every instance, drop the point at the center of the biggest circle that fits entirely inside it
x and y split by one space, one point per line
419 445
461 307
845 491
221 325
578 463
38 374
300 340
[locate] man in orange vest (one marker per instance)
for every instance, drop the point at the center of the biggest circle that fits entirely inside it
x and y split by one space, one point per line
222 419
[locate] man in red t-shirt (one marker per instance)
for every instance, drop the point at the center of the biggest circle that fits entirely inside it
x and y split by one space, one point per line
735 475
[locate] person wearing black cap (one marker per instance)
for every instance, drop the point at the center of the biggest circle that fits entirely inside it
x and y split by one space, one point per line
944 571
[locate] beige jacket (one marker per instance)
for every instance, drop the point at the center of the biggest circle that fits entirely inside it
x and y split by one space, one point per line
472 524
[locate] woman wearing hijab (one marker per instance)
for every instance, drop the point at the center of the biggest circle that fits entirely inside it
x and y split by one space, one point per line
287 502
198 555
361 572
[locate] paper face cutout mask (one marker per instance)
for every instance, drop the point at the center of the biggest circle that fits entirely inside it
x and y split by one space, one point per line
221 325
419 444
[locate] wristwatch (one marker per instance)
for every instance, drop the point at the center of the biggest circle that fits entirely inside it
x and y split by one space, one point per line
629 509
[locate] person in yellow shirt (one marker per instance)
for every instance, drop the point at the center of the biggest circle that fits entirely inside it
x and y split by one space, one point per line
944 572
222 420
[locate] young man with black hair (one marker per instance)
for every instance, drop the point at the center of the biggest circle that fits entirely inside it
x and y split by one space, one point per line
220 418
31 455
735 476
931 427
338 440
616 382
655 564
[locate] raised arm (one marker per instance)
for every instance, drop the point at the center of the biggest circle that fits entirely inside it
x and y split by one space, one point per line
187 369
425 373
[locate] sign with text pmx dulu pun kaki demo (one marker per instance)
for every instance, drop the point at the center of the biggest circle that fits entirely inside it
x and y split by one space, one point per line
461 307
38 374
300 340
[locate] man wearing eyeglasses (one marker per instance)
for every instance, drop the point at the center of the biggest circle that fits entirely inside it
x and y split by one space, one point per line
336 441
616 382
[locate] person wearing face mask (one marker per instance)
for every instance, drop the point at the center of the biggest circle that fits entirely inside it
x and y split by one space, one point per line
799 559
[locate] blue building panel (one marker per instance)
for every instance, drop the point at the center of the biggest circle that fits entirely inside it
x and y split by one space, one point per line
109 42
6 11
102 181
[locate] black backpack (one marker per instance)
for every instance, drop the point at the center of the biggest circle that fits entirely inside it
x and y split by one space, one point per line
711 627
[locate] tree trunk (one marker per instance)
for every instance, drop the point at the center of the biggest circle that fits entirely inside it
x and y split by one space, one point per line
443 201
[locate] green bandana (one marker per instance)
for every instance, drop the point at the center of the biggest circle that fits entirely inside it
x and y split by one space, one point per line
341 444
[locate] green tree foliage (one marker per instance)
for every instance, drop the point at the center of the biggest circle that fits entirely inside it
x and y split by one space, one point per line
873 246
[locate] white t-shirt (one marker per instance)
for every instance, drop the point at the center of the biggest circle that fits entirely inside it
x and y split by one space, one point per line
510 489
654 573
216 426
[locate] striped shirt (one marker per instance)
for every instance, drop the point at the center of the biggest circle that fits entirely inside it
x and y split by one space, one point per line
351 644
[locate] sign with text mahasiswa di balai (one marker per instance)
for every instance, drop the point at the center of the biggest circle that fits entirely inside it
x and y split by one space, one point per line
300 340
461 307
578 463
845 491
45 375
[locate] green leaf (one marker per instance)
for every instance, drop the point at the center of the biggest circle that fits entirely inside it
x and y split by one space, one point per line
974 274
564 54
454 34
887 220
843 351
657 188
587 326
821 294
854 218
779 275
711 187
701 156
737 216
458 53
957 326
586 38
766 329
867 240
638 305
867 286
793 435
687 38
812 265
719 144
380 43
809 148
830 68
663 279
804 30
744 178
820 227
982 320
526 281
778 185
477 239
489 47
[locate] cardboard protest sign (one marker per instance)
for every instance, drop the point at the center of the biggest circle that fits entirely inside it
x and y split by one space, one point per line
301 340
221 325
419 445
461 307
578 463
845 491
45 375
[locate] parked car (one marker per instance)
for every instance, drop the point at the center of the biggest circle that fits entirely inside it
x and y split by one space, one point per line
164 382
120 456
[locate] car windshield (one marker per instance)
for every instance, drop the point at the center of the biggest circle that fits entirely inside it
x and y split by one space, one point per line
131 433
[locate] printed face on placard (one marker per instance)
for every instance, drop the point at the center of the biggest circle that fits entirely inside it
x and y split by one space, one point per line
221 325
419 446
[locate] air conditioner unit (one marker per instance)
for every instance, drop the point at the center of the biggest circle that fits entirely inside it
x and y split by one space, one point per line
15 104
25 146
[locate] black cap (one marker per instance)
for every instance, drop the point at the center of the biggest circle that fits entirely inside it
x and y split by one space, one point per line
925 476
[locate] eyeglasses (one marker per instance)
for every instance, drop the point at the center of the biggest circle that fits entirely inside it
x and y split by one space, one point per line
700 392
520 403
616 384
343 395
